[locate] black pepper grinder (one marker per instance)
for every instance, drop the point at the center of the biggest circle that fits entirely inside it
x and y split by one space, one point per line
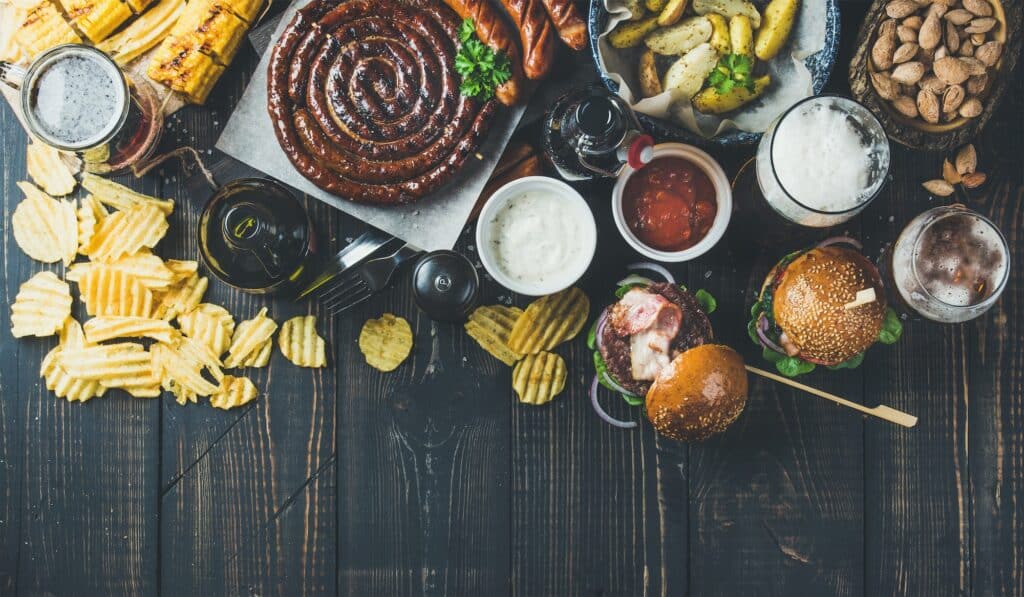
445 285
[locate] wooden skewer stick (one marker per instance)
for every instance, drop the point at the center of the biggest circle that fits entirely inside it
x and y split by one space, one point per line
882 412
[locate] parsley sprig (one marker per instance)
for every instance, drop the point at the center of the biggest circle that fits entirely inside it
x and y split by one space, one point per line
482 69
733 70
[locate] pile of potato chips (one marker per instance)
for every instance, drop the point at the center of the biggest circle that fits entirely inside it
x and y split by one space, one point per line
524 339
132 295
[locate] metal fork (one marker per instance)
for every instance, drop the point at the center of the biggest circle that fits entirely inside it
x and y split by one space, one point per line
359 249
361 283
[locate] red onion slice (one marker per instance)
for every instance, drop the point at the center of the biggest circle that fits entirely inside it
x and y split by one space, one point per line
615 386
762 329
594 385
835 240
653 267
634 279
599 330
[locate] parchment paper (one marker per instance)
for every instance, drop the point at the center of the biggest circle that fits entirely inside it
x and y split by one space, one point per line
433 222
791 81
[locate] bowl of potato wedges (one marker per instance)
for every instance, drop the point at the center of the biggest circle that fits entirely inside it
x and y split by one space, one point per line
713 52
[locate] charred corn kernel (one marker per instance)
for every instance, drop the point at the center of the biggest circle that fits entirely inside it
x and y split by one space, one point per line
185 69
96 19
210 26
43 28
247 10
138 6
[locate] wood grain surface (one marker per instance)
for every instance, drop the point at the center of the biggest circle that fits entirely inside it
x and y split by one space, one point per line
434 480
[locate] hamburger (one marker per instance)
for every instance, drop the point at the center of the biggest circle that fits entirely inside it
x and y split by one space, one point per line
654 347
821 306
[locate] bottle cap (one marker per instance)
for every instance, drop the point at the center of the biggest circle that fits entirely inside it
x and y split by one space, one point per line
446 285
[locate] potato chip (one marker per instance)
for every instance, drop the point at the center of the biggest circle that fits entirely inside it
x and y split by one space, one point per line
44 227
182 395
385 342
110 291
210 325
300 344
491 328
105 327
234 391
126 232
539 377
121 197
49 170
249 336
181 363
182 269
146 267
57 379
181 297
259 357
125 365
91 214
42 305
549 321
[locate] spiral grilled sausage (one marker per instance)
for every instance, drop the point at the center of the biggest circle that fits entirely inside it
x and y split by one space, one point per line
365 100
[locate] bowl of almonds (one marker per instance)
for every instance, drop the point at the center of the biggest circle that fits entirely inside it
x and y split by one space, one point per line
933 70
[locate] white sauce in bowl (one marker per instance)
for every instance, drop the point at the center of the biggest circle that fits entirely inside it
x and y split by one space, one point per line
539 238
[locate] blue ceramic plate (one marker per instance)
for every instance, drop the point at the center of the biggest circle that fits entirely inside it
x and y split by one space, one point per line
819 64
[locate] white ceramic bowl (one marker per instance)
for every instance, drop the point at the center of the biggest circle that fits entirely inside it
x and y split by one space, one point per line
723 196
515 189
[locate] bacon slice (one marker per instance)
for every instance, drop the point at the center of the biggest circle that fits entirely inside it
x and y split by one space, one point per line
651 321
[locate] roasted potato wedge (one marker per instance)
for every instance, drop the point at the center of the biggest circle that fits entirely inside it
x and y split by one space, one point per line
710 101
650 84
779 16
728 8
681 37
719 33
741 36
686 76
672 12
655 5
636 9
629 34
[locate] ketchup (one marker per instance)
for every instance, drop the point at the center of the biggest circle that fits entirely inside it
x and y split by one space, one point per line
669 204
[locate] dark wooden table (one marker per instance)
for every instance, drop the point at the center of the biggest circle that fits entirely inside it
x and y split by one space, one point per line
435 480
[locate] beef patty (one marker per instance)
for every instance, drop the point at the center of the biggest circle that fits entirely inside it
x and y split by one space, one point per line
694 330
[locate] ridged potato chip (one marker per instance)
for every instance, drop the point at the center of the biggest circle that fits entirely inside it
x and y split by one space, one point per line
57 379
125 365
385 342
146 267
549 321
41 307
300 344
539 377
127 232
182 362
211 325
91 214
182 269
110 291
44 227
249 337
181 297
121 197
233 391
259 357
491 328
49 170
103 328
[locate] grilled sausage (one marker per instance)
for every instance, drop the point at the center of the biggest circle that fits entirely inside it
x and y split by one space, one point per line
567 20
536 33
492 30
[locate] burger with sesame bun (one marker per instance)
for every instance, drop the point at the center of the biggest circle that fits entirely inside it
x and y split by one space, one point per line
822 306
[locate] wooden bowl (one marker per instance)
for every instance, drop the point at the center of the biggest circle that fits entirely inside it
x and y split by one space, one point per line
914 132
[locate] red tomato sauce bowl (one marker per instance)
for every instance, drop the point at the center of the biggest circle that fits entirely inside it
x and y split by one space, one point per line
676 207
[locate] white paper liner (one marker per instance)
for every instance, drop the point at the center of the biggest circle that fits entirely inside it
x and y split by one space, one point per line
791 80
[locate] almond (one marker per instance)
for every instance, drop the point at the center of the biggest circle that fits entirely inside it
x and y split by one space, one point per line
949 173
981 25
977 38
949 116
905 106
937 9
914 22
988 53
966 50
905 53
958 16
882 52
908 73
952 37
940 53
886 88
977 84
981 8
905 34
952 97
928 106
974 180
950 70
971 107
938 187
887 28
933 84
930 34
966 159
898 9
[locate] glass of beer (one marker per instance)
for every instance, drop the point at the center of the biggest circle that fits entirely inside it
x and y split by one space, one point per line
75 98
822 161
950 264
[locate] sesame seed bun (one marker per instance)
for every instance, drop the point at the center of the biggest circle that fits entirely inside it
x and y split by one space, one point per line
809 304
700 393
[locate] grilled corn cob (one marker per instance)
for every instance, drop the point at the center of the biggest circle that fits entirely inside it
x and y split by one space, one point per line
185 69
144 32
43 28
209 26
96 19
